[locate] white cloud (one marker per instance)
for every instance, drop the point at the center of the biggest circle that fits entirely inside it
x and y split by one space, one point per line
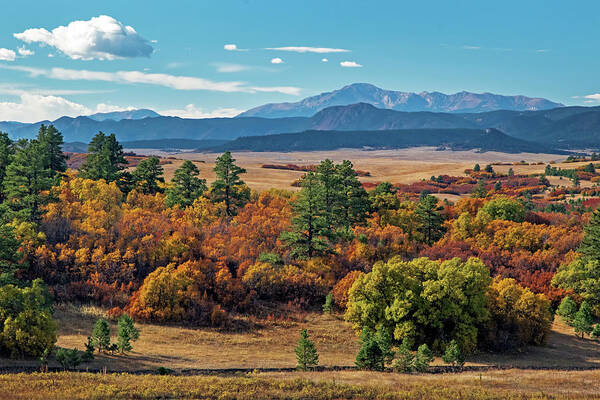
24 52
324 60
350 64
191 111
138 77
35 107
7 55
233 47
276 60
225 67
102 38
305 49
542 50
469 47
594 97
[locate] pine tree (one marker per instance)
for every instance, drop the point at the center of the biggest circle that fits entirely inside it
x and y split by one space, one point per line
306 352
51 141
405 359
590 245
101 334
148 175
27 182
126 333
88 355
511 172
583 321
331 184
309 235
370 356
9 256
479 192
105 159
228 187
354 200
596 332
453 355
489 169
7 151
384 339
186 186
477 168
567 310
431 222
423 358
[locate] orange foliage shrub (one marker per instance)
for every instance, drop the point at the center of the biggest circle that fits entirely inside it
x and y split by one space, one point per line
340 290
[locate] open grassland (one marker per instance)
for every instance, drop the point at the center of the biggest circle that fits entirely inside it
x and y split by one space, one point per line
396 166
269 344
509 384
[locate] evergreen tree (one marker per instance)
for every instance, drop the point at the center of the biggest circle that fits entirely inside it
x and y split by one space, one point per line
147 176
27 182
583 321
228 187
405 359
9 256
105 159
384 339
477 168
479 192
101 334
51 141
511 172
423 358
596 332
306 352
88 355
7 151
489 169
590 245
332 193
186 186
431 221
453 355
497 186
126 333
309 234
567 310
370 356
354 200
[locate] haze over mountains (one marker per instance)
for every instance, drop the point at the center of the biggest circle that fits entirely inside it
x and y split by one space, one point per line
562 127
400 101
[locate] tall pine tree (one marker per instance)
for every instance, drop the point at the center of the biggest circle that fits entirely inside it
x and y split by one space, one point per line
590 245
228 187
51 141
7 151
105 159
148 175
186 185
306 352
431 221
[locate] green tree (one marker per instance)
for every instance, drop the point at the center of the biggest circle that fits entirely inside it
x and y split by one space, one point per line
583 321
68 359
88 355
596 332
489 169
405 359
50 144
567 310
126 333
186 186
309 235
384 339
511 172
504 208
306 352
479 192
431 221
477 168
354 200
148 175
10 257
105 159
101 334
453 355
423 358
583 277
328 306
7 151
370 356
590 244
228 187
331 191
27 182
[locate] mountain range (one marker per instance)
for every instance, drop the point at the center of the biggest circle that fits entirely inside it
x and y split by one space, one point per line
401 101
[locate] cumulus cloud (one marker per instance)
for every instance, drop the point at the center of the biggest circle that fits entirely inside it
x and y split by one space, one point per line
233 47
24 52
191 111
306 49
593 97
101 38
350 64
324 60
7 55
276 60
158 79
35 107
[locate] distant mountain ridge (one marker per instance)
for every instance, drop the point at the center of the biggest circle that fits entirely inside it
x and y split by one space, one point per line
128 114
461 102
565 128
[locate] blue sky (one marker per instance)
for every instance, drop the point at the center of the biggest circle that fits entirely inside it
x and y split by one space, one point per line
172 58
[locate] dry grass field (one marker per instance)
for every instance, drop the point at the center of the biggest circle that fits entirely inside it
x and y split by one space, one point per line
396 166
